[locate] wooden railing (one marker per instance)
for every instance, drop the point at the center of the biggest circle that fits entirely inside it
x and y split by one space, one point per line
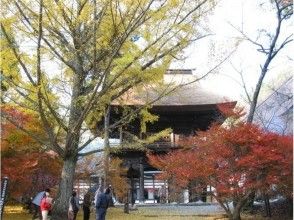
162 145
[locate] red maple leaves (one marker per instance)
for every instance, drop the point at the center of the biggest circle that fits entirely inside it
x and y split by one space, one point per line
235 160
29 167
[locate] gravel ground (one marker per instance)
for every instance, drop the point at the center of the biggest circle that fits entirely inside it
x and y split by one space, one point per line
182 209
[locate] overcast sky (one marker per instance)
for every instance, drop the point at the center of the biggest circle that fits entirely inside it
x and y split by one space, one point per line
205 53
253 16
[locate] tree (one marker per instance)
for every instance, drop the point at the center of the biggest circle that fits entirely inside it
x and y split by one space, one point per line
14 140
96 48
275 112
269 44
30 173
234 160
23 159
88 166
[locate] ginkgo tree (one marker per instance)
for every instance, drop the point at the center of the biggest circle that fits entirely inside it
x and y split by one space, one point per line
235 160
76 57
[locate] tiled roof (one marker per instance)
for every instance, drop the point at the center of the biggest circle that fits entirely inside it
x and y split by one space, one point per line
177 90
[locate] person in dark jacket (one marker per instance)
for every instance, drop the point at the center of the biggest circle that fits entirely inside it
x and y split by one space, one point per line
73 206
102 204
87 205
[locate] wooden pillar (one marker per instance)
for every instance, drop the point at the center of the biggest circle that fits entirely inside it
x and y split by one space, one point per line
120 135
167 191
141 182
153 184
210 191
132 191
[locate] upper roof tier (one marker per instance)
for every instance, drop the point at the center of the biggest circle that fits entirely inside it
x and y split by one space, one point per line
180 89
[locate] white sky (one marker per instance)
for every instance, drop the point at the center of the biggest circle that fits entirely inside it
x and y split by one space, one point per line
205 53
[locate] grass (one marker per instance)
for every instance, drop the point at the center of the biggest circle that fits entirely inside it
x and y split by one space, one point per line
16 213
140 214
146 214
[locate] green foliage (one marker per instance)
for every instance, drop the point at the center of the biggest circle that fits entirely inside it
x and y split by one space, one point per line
152 138
95 59
141 144
146 117
9 65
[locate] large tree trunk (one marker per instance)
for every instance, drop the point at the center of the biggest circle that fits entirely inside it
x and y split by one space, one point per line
60 208
70 155
236 215
237 211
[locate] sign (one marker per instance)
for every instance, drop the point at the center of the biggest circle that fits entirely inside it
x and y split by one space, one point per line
4 185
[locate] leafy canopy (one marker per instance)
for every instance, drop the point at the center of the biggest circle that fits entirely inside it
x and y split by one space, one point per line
72 58
235 160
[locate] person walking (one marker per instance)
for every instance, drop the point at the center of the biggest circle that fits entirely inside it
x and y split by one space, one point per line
87 205
111 195
97 193
102 204
73 206
46 205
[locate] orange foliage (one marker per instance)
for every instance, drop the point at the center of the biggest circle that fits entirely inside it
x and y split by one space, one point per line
29 167
235 160
14 140
118 180
30 173
229 109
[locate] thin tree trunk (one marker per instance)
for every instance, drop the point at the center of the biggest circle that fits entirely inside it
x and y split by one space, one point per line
65 189
256 92
106 146
236 213
250 203
270 55
225 207
267 205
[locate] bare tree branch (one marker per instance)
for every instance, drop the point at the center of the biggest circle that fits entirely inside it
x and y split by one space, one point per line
46 124
243 84
270 51
90 152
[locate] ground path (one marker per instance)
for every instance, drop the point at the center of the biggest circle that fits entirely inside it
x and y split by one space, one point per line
191 209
